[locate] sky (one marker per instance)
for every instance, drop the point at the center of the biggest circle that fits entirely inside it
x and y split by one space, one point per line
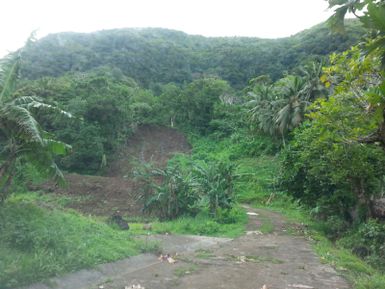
259 18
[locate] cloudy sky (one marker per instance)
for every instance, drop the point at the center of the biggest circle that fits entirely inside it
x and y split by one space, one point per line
261 18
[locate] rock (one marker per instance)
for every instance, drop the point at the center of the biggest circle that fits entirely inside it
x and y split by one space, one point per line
117 219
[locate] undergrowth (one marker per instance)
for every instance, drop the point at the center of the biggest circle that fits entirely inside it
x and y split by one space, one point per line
204 225
37 243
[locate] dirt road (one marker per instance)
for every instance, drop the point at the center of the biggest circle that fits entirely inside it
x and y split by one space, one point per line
277 260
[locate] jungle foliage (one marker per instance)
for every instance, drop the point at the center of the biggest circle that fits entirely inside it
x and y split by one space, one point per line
323 114
159 56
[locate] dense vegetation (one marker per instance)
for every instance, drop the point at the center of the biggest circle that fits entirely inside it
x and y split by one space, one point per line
310 106
159 56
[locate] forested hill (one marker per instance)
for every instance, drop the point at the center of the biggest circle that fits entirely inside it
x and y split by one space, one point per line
154 55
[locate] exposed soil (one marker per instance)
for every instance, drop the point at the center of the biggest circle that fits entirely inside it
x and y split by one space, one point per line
276 260
150 144
118 190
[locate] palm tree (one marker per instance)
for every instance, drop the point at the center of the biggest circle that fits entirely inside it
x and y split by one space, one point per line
21 137
299 93
262 108
292 105
313 87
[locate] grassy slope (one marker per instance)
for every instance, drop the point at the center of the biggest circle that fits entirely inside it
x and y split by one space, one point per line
38 242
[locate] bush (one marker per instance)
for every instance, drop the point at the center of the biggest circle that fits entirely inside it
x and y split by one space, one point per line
230 216
187 188
368 242
325 166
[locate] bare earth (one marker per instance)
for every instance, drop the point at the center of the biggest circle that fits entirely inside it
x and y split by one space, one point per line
278 260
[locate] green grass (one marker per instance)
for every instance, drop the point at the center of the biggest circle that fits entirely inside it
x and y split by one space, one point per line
255 179
37 242
200 225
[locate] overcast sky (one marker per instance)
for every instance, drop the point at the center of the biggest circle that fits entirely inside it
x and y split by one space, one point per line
261 18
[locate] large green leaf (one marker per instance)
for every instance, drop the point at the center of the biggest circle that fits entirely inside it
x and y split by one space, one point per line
377 15
57 147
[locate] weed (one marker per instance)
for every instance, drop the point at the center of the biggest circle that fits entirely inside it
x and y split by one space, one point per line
204 254
267 226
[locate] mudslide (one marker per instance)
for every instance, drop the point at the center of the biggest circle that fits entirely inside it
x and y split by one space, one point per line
118 189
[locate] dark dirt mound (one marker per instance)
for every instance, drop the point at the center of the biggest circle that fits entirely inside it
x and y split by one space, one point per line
118 190
150 144
97 195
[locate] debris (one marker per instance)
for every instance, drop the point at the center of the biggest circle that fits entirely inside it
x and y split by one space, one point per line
134 287
171 260
301 286
167 258
248 233
252 214
264 287
101 287
242 259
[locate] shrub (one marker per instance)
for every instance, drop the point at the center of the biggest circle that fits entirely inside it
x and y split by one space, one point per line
187 188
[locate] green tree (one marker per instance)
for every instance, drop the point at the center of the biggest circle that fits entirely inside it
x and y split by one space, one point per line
330 165
198 100
373 18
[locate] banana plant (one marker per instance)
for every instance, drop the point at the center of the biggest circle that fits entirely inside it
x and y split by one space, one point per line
22 139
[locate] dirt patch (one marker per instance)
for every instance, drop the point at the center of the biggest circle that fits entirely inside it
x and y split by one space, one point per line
118 190
150 144
101 196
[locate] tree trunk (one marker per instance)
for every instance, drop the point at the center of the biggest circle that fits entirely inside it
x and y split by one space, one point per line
4 189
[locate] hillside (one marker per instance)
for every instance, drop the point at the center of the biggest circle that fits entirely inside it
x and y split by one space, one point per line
154 55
